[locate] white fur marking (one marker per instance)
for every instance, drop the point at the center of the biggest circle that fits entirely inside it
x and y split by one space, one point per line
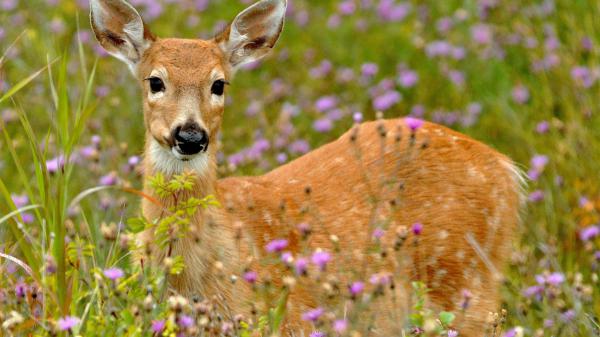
172 162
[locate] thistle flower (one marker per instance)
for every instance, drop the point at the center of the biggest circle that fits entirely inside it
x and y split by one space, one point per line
250 276
276 245
417 228
589 233
114 273
320 259
301 266
313 315
413 123
158 326
356 288
55 164
185 321
378 233
67 323
536 196
340 326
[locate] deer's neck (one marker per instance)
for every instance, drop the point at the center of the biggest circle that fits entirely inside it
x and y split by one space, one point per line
209 243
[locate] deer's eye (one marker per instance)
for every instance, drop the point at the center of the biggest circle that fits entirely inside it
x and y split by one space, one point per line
156 85
218 87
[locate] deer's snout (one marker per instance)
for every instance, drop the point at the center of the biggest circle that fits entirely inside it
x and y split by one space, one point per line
190 138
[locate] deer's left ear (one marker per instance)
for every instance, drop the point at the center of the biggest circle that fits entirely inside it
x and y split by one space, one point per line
253 32
120 30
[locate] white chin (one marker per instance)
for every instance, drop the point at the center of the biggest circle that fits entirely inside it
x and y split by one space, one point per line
170 161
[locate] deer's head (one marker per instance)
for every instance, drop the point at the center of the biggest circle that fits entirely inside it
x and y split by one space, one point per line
183 80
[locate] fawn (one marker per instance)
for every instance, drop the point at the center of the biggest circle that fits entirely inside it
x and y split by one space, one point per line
465 195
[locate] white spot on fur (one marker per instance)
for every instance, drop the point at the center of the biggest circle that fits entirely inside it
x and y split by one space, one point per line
172 162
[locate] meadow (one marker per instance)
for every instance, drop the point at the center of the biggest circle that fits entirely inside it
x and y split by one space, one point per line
522 76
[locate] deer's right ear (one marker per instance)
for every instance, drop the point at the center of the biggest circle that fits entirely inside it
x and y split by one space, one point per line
120 30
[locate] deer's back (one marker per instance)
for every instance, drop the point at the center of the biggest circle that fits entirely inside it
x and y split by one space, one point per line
381 175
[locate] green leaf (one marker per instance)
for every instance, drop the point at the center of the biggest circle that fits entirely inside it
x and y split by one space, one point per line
136 225
446 318
178 265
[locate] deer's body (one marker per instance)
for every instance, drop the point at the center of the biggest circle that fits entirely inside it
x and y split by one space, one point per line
379 174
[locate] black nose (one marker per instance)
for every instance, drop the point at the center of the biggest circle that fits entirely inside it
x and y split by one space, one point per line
190 138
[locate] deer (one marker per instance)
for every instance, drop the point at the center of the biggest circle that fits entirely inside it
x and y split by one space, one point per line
464 195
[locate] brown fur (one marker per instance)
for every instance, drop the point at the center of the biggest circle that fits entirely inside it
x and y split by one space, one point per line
376 173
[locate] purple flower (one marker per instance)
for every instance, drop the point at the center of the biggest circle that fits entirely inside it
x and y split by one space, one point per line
589 233
299 146
387 100
317 334
114 273
510 333
185 321
388 10
481 34
55 164
586 43
532 291
466 299
281 157
356 288
340 325
555 279
417 228
583 76
357 117
444 24
109 179
287 258
413 123
380 279
542 127
102 91
301 265
438 48
323 125
568 315
250 276
347 7
408 78
326 103
67 323
548 323
276 245
378 233
8 5
457 77
133 160
520 94
320 259
536 196
539 161
20 289
452 333
321 70
313 315
158 326
369 69
20 200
